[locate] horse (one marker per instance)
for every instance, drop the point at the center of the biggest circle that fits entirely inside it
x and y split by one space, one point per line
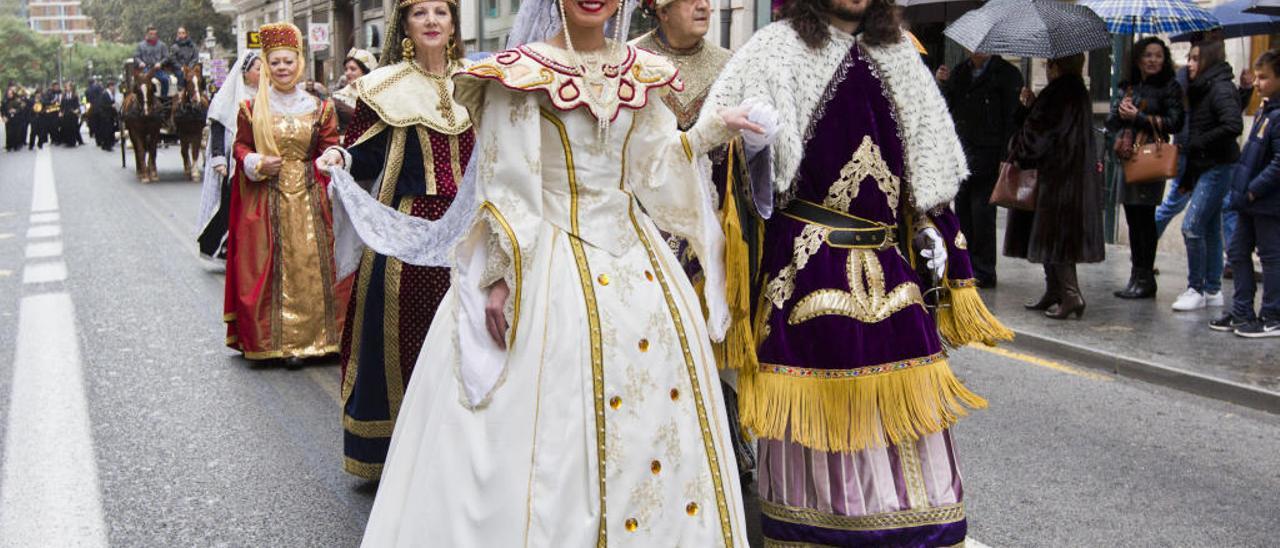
143 116
189 113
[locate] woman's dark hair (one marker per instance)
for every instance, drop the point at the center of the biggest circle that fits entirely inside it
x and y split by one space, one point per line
1140 51
1269 58
1069 65
392 52
880 23
1212 52
364 70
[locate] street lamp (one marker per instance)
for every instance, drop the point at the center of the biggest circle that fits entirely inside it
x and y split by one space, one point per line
210 41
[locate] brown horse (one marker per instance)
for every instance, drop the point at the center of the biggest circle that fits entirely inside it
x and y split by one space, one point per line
189 118
143 116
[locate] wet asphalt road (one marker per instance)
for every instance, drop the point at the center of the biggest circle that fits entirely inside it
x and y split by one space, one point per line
192 446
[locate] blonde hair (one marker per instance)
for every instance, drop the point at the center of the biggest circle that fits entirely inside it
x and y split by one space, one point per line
264 141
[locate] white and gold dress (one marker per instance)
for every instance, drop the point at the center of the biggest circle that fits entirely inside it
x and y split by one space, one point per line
602 424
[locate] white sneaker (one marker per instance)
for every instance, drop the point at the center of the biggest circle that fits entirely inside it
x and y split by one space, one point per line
1189 300
1213 299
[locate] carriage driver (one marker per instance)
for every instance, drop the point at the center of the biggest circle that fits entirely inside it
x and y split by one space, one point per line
151 52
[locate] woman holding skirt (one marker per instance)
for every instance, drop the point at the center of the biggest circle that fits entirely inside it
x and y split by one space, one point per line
412 141
567 393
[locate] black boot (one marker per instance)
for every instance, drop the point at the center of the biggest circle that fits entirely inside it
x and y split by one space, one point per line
1072 301
1141 286
1051 292
1130 288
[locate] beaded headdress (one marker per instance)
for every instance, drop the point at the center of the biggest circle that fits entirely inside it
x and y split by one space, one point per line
277 36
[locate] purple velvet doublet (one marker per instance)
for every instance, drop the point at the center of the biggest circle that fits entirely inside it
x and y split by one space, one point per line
834 344
841 315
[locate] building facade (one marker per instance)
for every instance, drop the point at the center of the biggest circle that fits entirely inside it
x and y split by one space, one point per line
61 18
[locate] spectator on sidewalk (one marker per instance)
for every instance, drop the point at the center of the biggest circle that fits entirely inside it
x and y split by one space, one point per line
1057 139
982 95
1150 108
1175 200
1211 150
1255 197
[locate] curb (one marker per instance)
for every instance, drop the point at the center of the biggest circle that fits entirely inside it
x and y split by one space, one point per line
1178 379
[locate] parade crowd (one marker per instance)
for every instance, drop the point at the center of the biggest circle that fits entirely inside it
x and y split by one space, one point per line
586 288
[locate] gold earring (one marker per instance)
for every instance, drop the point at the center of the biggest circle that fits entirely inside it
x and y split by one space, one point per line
406 49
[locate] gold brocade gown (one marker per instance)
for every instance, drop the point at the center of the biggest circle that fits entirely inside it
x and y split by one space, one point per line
282 298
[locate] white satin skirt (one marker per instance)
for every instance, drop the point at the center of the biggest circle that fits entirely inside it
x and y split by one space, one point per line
610 364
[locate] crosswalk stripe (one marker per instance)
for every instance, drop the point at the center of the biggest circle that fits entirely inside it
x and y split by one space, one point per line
44 197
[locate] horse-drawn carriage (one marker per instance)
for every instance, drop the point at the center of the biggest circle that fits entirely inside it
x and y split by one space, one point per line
149 118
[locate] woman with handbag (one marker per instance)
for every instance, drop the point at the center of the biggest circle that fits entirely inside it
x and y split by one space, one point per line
1214 124
1065 226
1142 119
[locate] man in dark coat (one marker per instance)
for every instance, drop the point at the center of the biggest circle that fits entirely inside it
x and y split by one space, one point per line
47 120
102 116
982 94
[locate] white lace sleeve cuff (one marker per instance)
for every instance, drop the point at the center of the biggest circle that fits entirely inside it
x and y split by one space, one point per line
709 133
251 163
497 263
218 161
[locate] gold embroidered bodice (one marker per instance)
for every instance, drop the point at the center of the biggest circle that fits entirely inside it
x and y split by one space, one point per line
293 138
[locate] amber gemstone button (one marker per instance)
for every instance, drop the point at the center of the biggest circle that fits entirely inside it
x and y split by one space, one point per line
615 402
603 279
655 466
632 524
644 345
691 509
675 394
648 275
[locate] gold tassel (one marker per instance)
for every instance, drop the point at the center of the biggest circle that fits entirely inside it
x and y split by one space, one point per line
738 351
853 414
964 319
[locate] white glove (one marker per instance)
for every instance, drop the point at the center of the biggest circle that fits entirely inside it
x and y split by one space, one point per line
763 114
933 248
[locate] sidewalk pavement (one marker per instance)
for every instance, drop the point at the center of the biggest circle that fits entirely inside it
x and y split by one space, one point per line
1145 339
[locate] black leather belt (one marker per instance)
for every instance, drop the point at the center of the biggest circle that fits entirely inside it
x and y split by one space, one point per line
843 230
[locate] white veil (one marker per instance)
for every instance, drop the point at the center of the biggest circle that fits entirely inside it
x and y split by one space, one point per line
225 108
539 20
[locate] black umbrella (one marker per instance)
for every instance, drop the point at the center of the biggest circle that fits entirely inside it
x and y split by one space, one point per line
1047 29
1265 7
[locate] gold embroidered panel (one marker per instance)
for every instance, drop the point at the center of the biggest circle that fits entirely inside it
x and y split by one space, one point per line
890 520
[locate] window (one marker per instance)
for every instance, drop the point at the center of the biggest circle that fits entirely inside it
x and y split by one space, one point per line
515 6
491 8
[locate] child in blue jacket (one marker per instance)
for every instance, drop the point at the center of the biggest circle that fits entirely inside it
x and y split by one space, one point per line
1255 196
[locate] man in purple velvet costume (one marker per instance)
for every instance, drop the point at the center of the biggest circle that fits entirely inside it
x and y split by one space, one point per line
851 395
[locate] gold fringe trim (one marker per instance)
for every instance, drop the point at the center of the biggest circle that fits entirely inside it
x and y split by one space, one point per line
738 351
856 412
964 319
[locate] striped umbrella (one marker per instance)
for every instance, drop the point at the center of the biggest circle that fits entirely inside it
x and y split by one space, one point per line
1047 29
1152 16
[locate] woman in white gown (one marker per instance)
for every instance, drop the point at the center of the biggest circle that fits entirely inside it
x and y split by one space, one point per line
567 395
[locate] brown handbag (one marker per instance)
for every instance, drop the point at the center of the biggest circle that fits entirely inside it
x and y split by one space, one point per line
1152 162
1016 188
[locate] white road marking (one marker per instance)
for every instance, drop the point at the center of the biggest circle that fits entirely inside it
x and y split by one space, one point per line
44 231
5 273
50 494
44 197
6 235
42 250
50 217
42 273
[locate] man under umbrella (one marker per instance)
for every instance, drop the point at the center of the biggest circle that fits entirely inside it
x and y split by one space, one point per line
982 94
